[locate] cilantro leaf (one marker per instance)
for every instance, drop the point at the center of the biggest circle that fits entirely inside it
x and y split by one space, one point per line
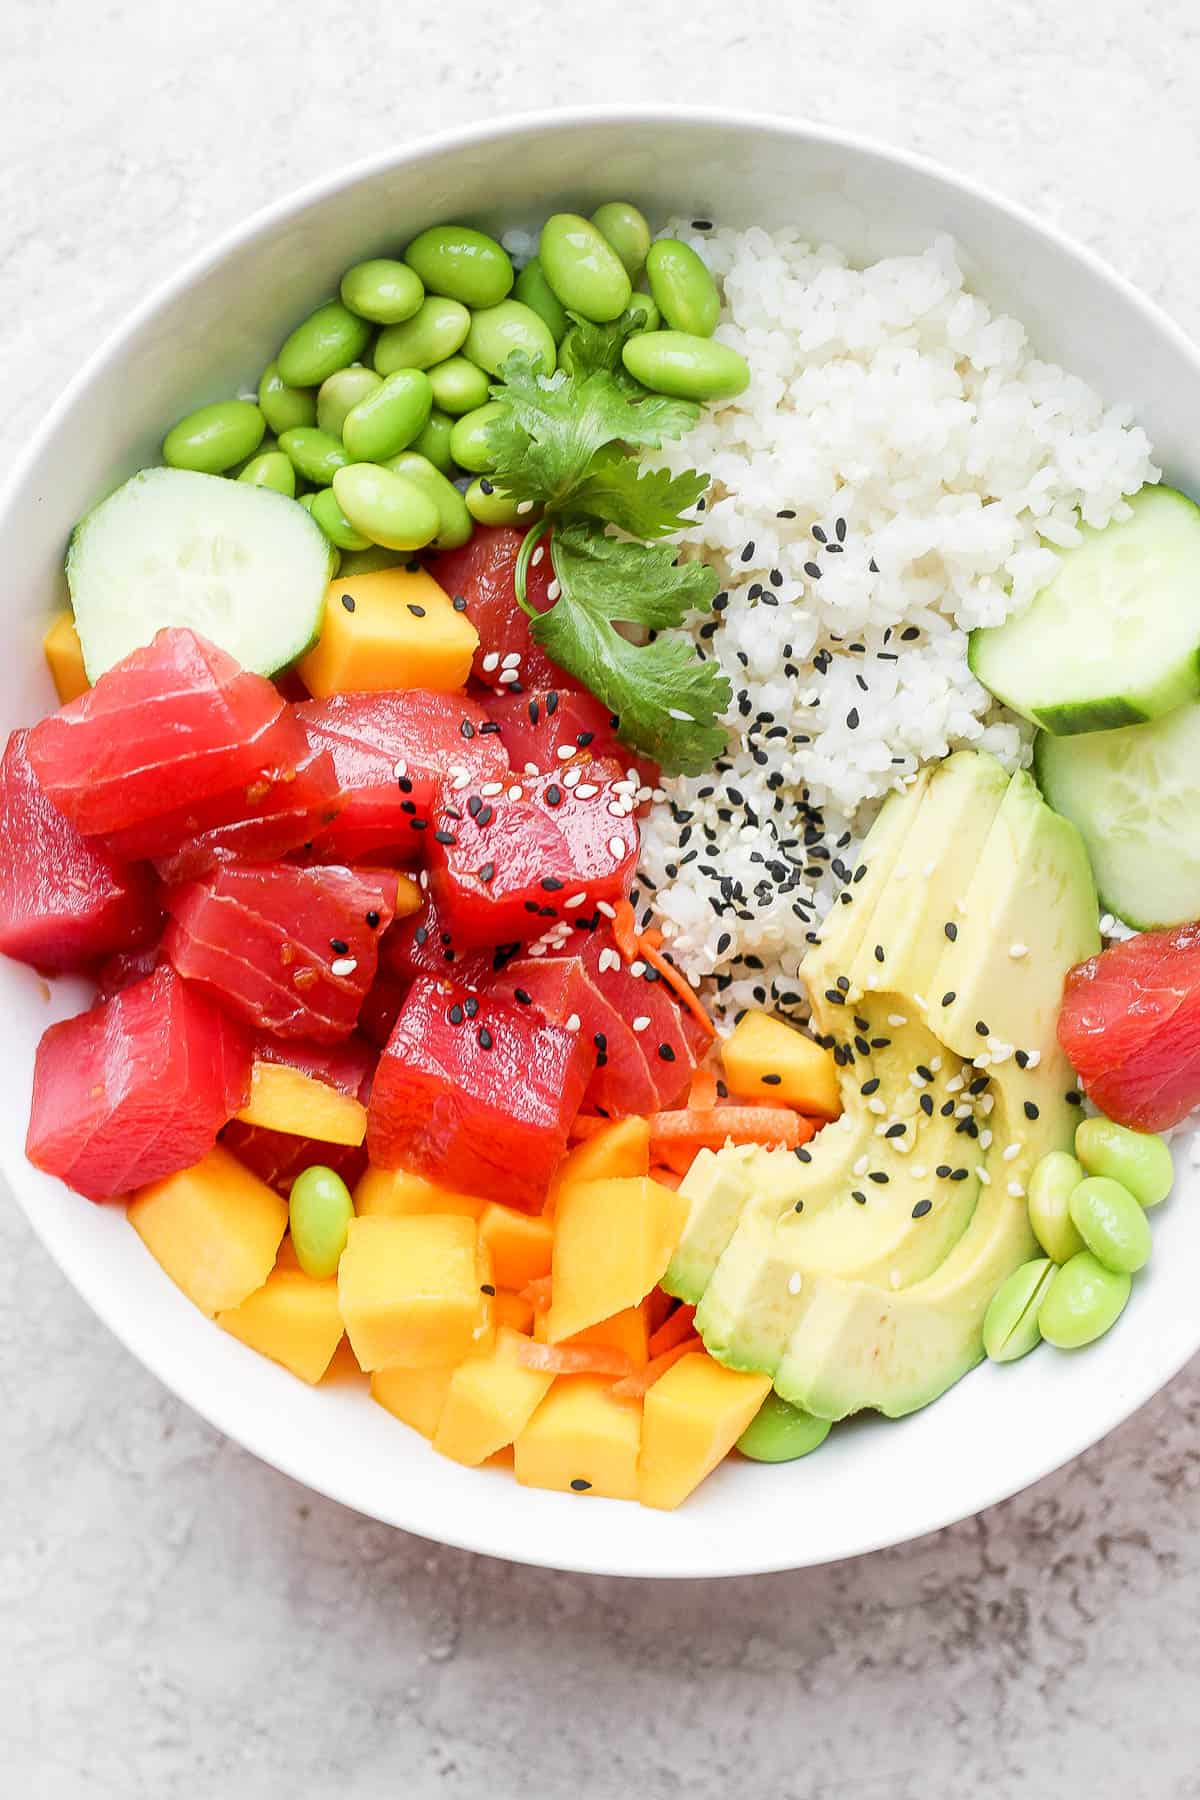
638 584
647 503
589 347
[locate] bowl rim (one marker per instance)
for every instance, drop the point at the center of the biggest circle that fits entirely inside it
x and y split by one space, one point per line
1143 1384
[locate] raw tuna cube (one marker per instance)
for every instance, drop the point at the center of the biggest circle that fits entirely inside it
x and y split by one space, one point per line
291 950
379 1011
388 751
125 967
671 1040
476 1094
481 573
421 945
277 1157
137 1088
509 866
167 726
65 901
549 729
1130 1024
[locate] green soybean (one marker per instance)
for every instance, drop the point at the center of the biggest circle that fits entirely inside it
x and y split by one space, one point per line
306 500
434 441
469 444
685 366
1140 1161
684 291
370 561
780 1432
390 418
342 392
1051 1185
1010 1324
461 263
329 339
382 290
534 291
319 1213
334 523
270 469
436 330
214 438
490 505
313 453
1082 1302
643 305
458 386
1111 1224
456 524
622 226
284 408
499 330
386 508
583 270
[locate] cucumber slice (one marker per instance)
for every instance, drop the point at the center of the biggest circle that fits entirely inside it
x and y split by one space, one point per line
1135 796
245 567
1114 638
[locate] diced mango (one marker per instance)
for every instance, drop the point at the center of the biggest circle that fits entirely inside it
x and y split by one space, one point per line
491 1399
415 1293
767 1060
628 1331
409 898
64 653
394 628
621 1149
521 1246
580 1440
512 1310
612 1243
292 1319
394 1193
414 1396
286 1099
215 1228
692 1417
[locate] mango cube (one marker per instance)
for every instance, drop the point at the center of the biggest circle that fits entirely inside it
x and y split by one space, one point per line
628 1331
64 653
521 1246
620 1149
580 1440
394 628
767 1060
415 1293
414 1396
214 1228
394 1193
612 1242
286 1099
292 1319
490 1399
409 898
512 1310
692 1417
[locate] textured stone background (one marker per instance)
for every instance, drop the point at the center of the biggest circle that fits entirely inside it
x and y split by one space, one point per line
175 1619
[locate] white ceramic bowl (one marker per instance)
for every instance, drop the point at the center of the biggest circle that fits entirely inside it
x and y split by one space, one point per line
210 331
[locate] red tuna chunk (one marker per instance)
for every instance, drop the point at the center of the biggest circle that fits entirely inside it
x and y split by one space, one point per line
291 950
476 1093
167 726
277 1157
482 573
65 901
1130 1024
548 729
137 1088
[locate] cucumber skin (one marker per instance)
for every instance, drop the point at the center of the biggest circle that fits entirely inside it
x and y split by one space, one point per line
1075 716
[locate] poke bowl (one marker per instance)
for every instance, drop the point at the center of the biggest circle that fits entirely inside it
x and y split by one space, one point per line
760 1081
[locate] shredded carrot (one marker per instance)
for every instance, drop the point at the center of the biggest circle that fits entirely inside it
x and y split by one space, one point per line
537 1292
703 1095
769 1125
625 930
651 939
634 1386
673 1331
678 1157
679 986
575 1359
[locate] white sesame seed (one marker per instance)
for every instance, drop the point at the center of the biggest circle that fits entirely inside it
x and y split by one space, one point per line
565 752
935 1063
554 590
955 1085
400 770
986 1104
862 1165
573 902
1016 1190
685 718
516 793
1034 1058
461 780
343 965
640 1023
795 1283
512 660
524 506
573 1023
919 1171
610 912
616 809
1016 951
897 1019
587 790
491 661
962 1112
876 1105
507 676
537 556
490 789
644 794
530 768
609 959
895 1279
1012 1151
571 776
984 1178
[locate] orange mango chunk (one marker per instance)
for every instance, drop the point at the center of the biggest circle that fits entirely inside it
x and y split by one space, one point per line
580 1440
415 1293
292 1319
409 898
628 1330
64 653
521 1246
490 1399
214 1228
767 1060
512 1310
394 1193
399 630
286 1099
621 1149
691 1419
414 1396
612 1242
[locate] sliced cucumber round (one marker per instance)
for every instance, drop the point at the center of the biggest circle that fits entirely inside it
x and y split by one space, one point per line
1114 638
245 567
1135 796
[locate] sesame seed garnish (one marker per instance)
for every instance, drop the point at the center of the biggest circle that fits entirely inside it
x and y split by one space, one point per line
1016 951
485 1287
418 612
1031 1111
343 965
951 930
579 1485
921 1208
641 1022
666 1053
484 1038
348 602
338 946
372 919
794 1280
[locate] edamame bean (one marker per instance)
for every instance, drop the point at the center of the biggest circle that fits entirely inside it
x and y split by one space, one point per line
583 269
389 418
1049 1201
685 366
780 1432
469 440
458 386
329 339
534 291
334 523
306 500
1082 1302
1010 1324
313 453
643 304
340 393
385 507
456 524
1138 1160
490 505
461 263
1111 1224
284 408
272 470
684 291
214 438
382 290
499 330
319 1213
369 562
621 224
434 441
436 330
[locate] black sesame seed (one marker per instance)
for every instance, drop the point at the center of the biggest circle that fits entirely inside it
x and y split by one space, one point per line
843 982
799 1206
949 997
852 718
959 1174
872 1086
338 946
485 486
748 551
524 998
982 1028
924 1072
951 930
1022 1059
880 1176
551 883
927 1105
471 1005
444 837
859 1196
459 603
666 1052
474 806
942 1171
801 1154
487 872
771 1080
947 1110
418 612
895 1131
580 1486
485 1038
921 1208
372 919
977 1086
879 953
456 1015
812 570
348 602
553 795
466 729
1073 1098
1031 1111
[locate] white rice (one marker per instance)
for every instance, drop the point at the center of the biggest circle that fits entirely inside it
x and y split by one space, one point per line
888 405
